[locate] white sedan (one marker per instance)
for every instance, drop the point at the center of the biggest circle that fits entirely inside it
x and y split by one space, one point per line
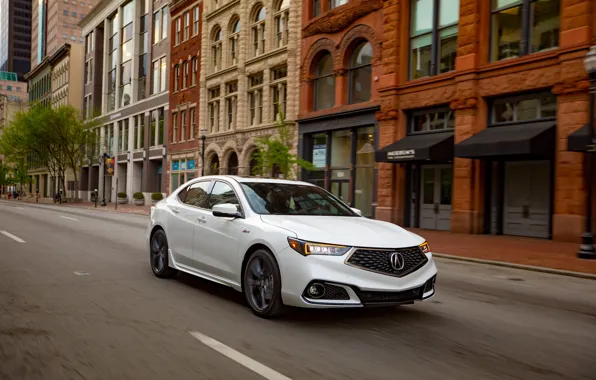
286 243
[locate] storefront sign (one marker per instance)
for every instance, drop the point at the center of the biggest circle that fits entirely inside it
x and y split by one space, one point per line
190 165
319 156
175 165
401 154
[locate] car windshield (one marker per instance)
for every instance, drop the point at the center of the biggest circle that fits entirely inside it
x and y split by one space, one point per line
293 199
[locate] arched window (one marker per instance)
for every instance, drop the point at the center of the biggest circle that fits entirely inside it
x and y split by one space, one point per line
233 164
212 167
282 18
234 41
258 31
324 83
216 49
360 73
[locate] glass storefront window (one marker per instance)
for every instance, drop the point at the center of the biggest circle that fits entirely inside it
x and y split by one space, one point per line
341 144
524 108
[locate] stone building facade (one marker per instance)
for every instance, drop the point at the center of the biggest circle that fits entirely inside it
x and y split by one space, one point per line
250 50
339 97
185 57
477 108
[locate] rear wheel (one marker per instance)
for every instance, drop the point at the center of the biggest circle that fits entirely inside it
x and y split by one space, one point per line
262 285
159 256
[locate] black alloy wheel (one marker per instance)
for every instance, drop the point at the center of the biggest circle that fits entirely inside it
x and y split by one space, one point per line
262 285
159 256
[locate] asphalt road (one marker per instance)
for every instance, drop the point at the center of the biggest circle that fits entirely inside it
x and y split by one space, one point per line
78 301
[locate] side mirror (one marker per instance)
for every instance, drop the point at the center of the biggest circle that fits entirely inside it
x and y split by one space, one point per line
226 210
357 211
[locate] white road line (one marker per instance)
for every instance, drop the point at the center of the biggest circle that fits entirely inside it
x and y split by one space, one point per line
68 217
249 363
15 238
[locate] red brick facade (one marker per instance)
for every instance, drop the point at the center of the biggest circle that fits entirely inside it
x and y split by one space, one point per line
184 92
466 90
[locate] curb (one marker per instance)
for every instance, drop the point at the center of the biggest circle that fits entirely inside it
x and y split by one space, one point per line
532 268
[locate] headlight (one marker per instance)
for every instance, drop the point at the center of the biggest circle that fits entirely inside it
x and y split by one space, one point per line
306 248
425 247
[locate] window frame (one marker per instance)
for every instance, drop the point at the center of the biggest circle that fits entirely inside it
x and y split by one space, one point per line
317 78
210 184
352 69
516 98
241 211
196 20
426 111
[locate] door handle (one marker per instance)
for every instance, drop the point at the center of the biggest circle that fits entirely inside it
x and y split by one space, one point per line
174 210
202 219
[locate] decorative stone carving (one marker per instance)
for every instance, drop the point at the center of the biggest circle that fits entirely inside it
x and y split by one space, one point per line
389 114
315 49
359 31
340 18
464 103
571 86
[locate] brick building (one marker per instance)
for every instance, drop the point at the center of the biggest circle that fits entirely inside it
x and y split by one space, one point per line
185 57
478 102
250 50
339 97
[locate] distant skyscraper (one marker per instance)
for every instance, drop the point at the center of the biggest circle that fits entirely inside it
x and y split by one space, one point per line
54 23
15 36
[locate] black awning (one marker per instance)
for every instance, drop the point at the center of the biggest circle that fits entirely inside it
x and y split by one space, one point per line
436 147
579 140
532 139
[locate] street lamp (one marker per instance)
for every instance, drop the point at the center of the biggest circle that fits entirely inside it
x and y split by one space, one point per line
104 157
586 249
203 138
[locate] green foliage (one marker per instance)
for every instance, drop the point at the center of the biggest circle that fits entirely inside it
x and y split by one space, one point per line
274 153
138 195
122 195
156 196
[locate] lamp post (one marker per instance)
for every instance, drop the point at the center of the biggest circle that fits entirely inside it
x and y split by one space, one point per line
586 249
203 138
104 157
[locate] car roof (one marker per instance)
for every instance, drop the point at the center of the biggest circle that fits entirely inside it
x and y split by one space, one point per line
247 179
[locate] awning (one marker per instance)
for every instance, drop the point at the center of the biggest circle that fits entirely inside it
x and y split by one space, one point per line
436 147
532 139
579 140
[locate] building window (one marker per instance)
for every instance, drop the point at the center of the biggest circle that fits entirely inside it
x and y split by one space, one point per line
521 27
193 123
186 26
213 106
336 3
176 77
216 50
88 71
160 25
316 8
65 13
183 136
165 21
178 29
324 83
112 62
139 138
258 31
234 41
143 49
159 75
185 75
74 14
255 99
360 73
174 136
279 91
182 171
428 31
87 107
196 21
231 104
195 71
431 120
126 55
281 19
523 108
89 43
157 127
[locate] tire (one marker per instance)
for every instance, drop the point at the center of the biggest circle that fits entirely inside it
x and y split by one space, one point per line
158 256
264 284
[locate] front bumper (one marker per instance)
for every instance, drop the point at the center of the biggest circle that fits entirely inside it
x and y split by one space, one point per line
351 286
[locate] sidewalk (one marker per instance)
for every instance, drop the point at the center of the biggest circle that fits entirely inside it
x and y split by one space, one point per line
510 249
126 208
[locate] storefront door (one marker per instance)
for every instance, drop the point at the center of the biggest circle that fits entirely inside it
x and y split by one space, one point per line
435 205
341 189
527 199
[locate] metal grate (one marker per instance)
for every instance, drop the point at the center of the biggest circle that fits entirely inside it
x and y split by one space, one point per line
379 260
332 292
390 297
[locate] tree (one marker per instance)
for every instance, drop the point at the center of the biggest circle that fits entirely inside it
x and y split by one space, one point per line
274 153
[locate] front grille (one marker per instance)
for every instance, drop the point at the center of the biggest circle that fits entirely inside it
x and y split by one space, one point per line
367 297
379 260
332 292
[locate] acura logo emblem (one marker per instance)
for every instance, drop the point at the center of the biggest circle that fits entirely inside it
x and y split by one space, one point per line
397 261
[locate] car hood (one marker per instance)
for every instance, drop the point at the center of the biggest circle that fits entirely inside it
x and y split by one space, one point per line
350 231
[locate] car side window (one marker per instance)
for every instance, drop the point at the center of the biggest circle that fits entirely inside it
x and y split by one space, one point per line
223 193
197 195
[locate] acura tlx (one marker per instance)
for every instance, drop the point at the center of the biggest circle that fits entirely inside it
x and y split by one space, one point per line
286 243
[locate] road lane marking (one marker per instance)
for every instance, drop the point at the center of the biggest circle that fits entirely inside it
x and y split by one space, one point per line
15 238
238 357
81 273
68 217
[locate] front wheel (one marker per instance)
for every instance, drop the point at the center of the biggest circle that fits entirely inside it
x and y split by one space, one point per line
262 285
158 255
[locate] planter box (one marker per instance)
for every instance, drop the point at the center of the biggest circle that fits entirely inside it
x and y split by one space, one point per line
122 201
138 202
